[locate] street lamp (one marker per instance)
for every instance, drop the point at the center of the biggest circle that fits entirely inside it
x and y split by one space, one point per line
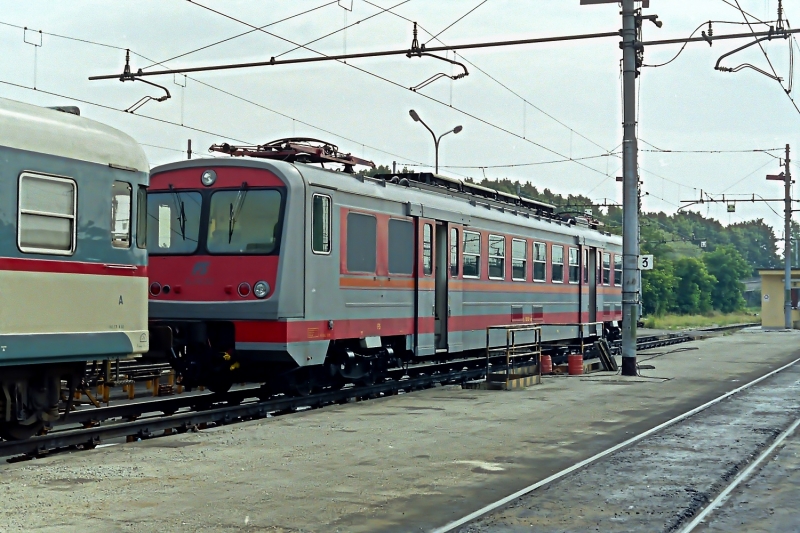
436 139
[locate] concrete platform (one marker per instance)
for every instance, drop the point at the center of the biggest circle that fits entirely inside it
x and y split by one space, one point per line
404 463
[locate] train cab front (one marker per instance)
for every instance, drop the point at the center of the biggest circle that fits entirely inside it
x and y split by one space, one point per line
216 233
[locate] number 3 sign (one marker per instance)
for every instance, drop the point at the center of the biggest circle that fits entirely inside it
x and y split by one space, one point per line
646 262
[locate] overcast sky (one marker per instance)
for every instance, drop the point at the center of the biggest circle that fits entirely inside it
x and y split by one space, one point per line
686 105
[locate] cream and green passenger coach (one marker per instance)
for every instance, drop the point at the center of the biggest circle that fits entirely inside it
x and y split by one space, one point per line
73 267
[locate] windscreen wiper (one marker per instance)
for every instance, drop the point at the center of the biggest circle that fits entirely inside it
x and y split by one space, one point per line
235 209
179 207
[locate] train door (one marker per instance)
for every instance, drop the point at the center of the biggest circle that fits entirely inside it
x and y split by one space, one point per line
454 294
591 272
441 312
425 322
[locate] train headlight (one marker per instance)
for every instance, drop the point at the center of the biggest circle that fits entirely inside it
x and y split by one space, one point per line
155 288
244 289
261 289
208 177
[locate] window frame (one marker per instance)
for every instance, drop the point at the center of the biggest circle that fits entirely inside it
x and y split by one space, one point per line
464 253
454 248
570 265
606 272
389 244
73 217
502 258
130 216
617 261
374 271
427 270
553 263
524 259
141 217
585 266
330 223
535 261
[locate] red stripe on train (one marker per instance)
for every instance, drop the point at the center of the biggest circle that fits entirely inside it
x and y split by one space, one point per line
71 267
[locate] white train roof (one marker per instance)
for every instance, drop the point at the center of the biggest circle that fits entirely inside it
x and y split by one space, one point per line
39 129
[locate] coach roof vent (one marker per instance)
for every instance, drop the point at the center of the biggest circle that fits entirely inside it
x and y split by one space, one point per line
296 150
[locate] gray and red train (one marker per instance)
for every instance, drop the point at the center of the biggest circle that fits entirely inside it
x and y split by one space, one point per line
266 268
262 267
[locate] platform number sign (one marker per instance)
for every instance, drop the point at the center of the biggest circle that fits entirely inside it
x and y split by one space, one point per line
645 262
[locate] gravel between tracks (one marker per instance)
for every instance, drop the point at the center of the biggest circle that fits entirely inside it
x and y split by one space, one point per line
404 463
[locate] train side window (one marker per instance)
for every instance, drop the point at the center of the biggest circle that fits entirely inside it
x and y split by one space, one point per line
141 217
574 265
362 233
321 224
606 269
453 253
539 261
427 250
586 266
401 247
121 198
558 264
497 257
47 207
519 260
472 254
618 270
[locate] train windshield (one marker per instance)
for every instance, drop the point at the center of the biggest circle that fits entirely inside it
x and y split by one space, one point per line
244 221
173 222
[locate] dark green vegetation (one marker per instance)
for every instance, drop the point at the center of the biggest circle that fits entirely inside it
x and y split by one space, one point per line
698 262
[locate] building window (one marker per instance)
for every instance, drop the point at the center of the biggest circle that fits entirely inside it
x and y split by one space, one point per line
321 224
401 247
497 257
574 266
141 217
558 264
121 198
618 270
606 269
586 266
361 242
427 249
539 261
46 214
472 255
453 253
519 260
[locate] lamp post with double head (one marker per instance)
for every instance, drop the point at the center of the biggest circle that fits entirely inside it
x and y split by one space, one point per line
436 139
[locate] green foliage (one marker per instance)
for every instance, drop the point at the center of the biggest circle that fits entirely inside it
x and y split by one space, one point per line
694 286
658 288
728 266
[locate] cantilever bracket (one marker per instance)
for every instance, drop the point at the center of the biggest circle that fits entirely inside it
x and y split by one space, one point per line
127 75
748 65
418 50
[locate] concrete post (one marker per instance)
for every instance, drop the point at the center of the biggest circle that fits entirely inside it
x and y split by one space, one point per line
787 252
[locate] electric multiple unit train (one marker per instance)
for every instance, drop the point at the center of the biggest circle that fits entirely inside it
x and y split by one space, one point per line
262 267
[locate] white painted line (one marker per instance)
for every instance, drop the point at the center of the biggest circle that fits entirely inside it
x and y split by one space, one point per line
577 466
741 477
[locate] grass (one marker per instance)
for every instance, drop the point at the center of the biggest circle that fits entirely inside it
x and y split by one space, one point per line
701 321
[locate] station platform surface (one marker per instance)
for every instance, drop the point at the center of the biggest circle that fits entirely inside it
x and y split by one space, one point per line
406 463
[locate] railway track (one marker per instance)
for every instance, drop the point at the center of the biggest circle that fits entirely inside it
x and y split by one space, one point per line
145 418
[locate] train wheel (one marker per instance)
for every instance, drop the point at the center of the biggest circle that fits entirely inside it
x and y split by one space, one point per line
219 386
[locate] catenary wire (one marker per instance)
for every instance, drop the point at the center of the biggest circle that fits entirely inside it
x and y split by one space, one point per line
392 82
242 34
459 19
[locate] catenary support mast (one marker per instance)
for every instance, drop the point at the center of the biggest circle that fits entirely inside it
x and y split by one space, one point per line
630 192
787 252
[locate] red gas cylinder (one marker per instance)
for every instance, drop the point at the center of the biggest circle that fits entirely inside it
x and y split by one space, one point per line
547 364
575 364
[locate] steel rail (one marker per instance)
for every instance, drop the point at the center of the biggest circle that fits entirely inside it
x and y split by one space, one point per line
745 474
586 462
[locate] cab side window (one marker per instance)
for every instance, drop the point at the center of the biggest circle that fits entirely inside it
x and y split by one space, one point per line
121 199
321 224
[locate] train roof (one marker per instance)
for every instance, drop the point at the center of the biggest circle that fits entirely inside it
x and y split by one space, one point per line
65 134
